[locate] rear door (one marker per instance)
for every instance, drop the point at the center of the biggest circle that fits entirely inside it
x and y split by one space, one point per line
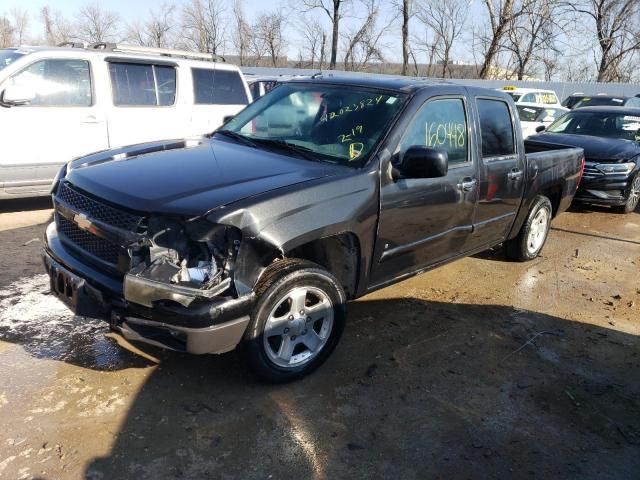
218 91
144 102
502 171
424 221
62 122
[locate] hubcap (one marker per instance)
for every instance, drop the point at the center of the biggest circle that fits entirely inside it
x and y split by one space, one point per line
634 194
298 327
538 230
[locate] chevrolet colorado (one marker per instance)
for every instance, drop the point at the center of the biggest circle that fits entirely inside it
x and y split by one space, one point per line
319 192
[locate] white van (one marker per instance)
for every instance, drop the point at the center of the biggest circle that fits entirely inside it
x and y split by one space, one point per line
58 103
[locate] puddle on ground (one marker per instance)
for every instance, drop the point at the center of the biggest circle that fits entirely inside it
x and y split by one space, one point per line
32 317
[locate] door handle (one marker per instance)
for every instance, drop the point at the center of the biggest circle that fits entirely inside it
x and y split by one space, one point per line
515 174
90 119
467 184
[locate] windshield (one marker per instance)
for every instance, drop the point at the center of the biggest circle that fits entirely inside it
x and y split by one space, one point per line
610 125
8 56
600 102
538 114
339 124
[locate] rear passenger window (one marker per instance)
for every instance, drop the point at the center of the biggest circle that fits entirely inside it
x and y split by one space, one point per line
442 125
496 128
218 87
57 82
135 84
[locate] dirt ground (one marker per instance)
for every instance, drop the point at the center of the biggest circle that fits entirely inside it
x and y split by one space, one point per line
482 369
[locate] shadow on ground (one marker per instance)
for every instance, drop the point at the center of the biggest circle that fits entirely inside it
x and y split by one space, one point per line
416 389
25 204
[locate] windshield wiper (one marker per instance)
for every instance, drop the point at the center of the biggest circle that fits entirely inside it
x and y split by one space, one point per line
236 136
304 152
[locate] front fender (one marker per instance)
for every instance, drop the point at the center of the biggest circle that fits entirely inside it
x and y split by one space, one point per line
279 221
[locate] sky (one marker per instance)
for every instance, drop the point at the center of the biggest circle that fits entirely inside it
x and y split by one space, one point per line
130 10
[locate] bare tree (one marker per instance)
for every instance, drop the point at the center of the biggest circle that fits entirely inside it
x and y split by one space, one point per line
269 30
157 30
97 25
428 42
363 44
404 8
531 34
20 25
241 37
315 39
617 30
6 33
57 29
203 26
335 11
500 15
447 19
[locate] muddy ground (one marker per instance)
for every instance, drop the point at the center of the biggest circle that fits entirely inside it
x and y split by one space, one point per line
482 369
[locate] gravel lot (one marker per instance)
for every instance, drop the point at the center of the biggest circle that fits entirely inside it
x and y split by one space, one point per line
481 369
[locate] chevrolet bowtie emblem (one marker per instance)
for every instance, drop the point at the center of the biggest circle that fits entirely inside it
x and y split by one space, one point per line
83 222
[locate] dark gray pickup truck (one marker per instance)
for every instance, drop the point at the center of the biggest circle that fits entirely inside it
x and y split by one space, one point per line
319 192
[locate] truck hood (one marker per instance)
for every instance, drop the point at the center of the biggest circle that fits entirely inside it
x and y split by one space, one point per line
600 149
189 177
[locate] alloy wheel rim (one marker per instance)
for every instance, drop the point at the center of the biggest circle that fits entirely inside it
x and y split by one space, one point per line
538 230
298 327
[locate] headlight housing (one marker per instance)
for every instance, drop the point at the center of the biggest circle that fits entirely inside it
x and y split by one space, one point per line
616 167
59 176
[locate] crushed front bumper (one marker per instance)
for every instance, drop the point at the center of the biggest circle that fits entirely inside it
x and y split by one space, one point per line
211 325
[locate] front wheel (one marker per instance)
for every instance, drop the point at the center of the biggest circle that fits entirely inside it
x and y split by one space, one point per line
533 234
297 321
632 199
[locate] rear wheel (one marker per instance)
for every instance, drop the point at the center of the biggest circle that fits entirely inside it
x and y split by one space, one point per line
533 234
297 321
632 199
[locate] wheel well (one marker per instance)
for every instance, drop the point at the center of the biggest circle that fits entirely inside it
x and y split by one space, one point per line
338 254
554 194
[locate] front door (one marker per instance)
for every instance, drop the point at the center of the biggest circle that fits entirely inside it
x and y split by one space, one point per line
62 122
424 221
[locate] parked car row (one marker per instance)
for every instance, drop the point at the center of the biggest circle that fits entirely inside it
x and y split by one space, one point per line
607 127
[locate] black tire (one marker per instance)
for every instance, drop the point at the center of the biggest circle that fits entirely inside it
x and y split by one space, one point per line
277 281
632 199
519 248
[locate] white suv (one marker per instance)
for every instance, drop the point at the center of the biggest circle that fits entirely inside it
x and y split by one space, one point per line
58 103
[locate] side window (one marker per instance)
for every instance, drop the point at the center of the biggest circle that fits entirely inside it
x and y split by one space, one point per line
530 97
496 128
218 87
440 124
135 84
57 82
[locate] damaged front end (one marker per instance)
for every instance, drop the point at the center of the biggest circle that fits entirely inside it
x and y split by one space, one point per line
181 263
164 280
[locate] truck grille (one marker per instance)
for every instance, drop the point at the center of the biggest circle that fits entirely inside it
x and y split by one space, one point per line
83 240
98 210
88 242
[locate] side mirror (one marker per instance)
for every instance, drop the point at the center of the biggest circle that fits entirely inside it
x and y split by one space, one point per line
226 118
541 128
425 162
18 95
